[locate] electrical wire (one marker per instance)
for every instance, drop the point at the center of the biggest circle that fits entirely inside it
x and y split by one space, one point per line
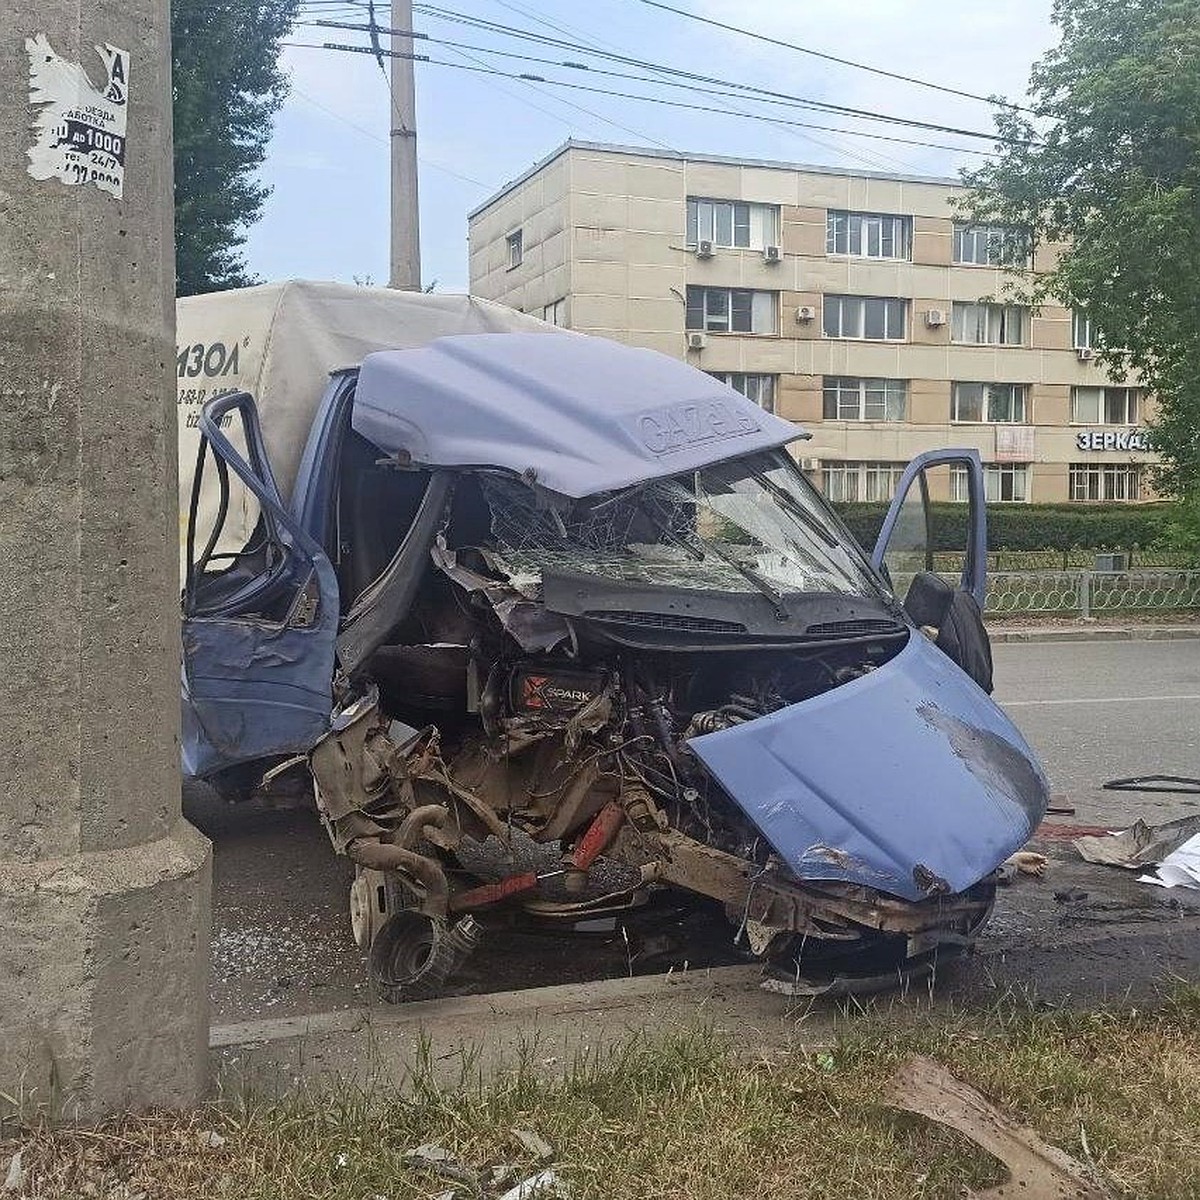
872 158
500 29
482 66
529 78
601 71
834 58
422 158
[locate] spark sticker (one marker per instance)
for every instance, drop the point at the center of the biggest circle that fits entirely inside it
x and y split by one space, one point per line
80 130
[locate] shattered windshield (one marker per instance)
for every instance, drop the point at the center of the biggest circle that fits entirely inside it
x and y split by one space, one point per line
748 524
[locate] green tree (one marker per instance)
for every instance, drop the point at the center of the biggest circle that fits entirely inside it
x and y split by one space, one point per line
1107 165
227 88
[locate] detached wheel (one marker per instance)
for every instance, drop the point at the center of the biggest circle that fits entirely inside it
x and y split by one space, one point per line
413 955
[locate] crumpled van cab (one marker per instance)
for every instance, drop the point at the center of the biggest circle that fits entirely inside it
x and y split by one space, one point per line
558 588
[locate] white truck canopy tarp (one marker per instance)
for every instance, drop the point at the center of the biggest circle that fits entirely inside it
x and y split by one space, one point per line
279 342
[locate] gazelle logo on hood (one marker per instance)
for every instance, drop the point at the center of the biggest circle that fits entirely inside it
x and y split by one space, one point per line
678 425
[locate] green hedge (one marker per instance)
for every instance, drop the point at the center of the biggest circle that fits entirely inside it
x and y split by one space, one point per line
1031 526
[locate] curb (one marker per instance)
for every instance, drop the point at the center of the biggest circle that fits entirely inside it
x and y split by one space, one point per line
560 999
1099 633
678 995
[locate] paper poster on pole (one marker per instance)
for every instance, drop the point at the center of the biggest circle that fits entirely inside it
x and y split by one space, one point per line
79 129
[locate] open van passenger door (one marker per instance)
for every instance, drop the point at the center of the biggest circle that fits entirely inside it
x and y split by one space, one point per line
260 618
937 558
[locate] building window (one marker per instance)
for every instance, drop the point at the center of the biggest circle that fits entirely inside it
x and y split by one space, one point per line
987 324
732 223
556 313
853 481
1104 405
990 245
732 310
997 403
1003 483
1106 481
1081 331
515 249
876 318
759 388
849 399
868 235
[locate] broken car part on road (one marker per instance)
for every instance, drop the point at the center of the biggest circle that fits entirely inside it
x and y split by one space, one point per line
556 585
1037 1170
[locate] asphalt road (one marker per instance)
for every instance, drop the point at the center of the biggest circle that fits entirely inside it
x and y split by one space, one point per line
1096 711
1092 710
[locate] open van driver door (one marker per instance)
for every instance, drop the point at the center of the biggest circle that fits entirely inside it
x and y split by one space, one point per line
260 619
936 559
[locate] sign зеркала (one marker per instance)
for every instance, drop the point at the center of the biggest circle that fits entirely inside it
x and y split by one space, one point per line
1112 439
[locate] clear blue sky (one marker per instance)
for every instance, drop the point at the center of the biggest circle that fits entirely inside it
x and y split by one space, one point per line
328 215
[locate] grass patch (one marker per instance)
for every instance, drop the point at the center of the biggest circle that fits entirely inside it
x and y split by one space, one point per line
693 1116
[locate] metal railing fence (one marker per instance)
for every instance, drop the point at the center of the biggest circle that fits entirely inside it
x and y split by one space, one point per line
1092 593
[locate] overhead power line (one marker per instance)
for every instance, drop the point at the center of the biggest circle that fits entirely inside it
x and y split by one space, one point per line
375 137
496 27
845 62
706 108
461 52
873 157
742 90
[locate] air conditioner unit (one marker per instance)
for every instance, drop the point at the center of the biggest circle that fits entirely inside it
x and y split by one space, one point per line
1084 353
772 254
806 312
810 464
704 248
696 341
935 317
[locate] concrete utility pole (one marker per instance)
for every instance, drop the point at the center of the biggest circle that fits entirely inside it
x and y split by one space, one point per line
104 889
406 224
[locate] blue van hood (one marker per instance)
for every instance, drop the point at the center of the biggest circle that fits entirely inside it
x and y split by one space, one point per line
909 779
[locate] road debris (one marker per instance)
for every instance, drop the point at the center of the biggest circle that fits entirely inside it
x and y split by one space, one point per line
1181 868
441 1162
1140 845
1037 1170
538 1187
1027 862
15 1176
535 1144
1059 829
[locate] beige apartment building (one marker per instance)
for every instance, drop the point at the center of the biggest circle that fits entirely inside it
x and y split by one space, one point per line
855 303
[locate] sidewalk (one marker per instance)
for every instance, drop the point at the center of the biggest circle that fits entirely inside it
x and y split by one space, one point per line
1052 630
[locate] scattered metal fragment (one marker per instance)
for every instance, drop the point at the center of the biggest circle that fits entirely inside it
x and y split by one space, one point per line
1180 785
440 1161
1140 845
1070 895
543 1184
1037 1170
502 1175
535 1144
